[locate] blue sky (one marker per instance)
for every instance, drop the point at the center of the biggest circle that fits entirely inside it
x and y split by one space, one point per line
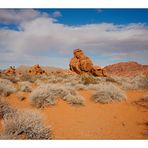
86 16
48 36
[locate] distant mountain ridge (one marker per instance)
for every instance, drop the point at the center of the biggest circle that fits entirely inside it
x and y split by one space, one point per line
130 68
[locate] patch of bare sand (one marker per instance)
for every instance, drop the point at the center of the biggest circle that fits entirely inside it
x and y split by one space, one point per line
123 120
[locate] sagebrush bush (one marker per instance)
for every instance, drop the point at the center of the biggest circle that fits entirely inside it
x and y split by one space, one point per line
6 87
46 95
12 78
5 108
80 87
49 93
138 82
27 123
25 86
74 99
39 82
107 93
30 78
88 79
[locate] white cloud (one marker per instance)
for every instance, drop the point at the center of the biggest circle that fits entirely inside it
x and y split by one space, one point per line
41 38
19 15
57 14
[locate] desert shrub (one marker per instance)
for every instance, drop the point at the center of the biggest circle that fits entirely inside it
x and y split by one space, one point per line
46 95
74 99
80 87
25 86
138 82
88 79
6 87
49 93
5 108
25 122
30 78
39 82
13 78
107 93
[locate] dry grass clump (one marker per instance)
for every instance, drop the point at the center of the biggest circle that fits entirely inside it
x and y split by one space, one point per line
88 79
30 78
62 79
107 93
4 108
48 94
138 82
25 123
6 87
25 86
13 78
74 99
39 82
80 87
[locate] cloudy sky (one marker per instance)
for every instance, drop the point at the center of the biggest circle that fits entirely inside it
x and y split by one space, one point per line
48 36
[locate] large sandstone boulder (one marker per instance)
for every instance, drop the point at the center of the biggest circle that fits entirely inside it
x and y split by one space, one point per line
36 70
82 64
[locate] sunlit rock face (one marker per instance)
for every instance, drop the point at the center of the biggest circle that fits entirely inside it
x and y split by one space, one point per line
81 64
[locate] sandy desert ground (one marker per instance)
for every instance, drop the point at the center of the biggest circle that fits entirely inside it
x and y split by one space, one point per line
81 118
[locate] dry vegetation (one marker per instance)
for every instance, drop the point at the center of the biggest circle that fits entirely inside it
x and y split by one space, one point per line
48 90
25 86
107 93
49 93
25 123
6 87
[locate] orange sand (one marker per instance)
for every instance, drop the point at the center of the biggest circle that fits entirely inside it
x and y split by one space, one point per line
123 120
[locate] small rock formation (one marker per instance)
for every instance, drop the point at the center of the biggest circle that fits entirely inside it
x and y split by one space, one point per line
82 64
36 70
10 70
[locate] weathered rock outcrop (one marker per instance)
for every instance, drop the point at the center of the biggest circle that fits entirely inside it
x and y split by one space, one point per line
127 69
82 64
36 70
10 70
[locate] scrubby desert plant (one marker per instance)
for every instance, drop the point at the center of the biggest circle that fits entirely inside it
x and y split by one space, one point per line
39 82
46 95
49 93
80 87
25 86
138 82
107 93
13 78
5 108
26 123
74 99
30 78
88 79
6 87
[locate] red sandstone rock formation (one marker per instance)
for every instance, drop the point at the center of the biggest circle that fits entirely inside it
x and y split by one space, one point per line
82 64
10 70
36 70
127 69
